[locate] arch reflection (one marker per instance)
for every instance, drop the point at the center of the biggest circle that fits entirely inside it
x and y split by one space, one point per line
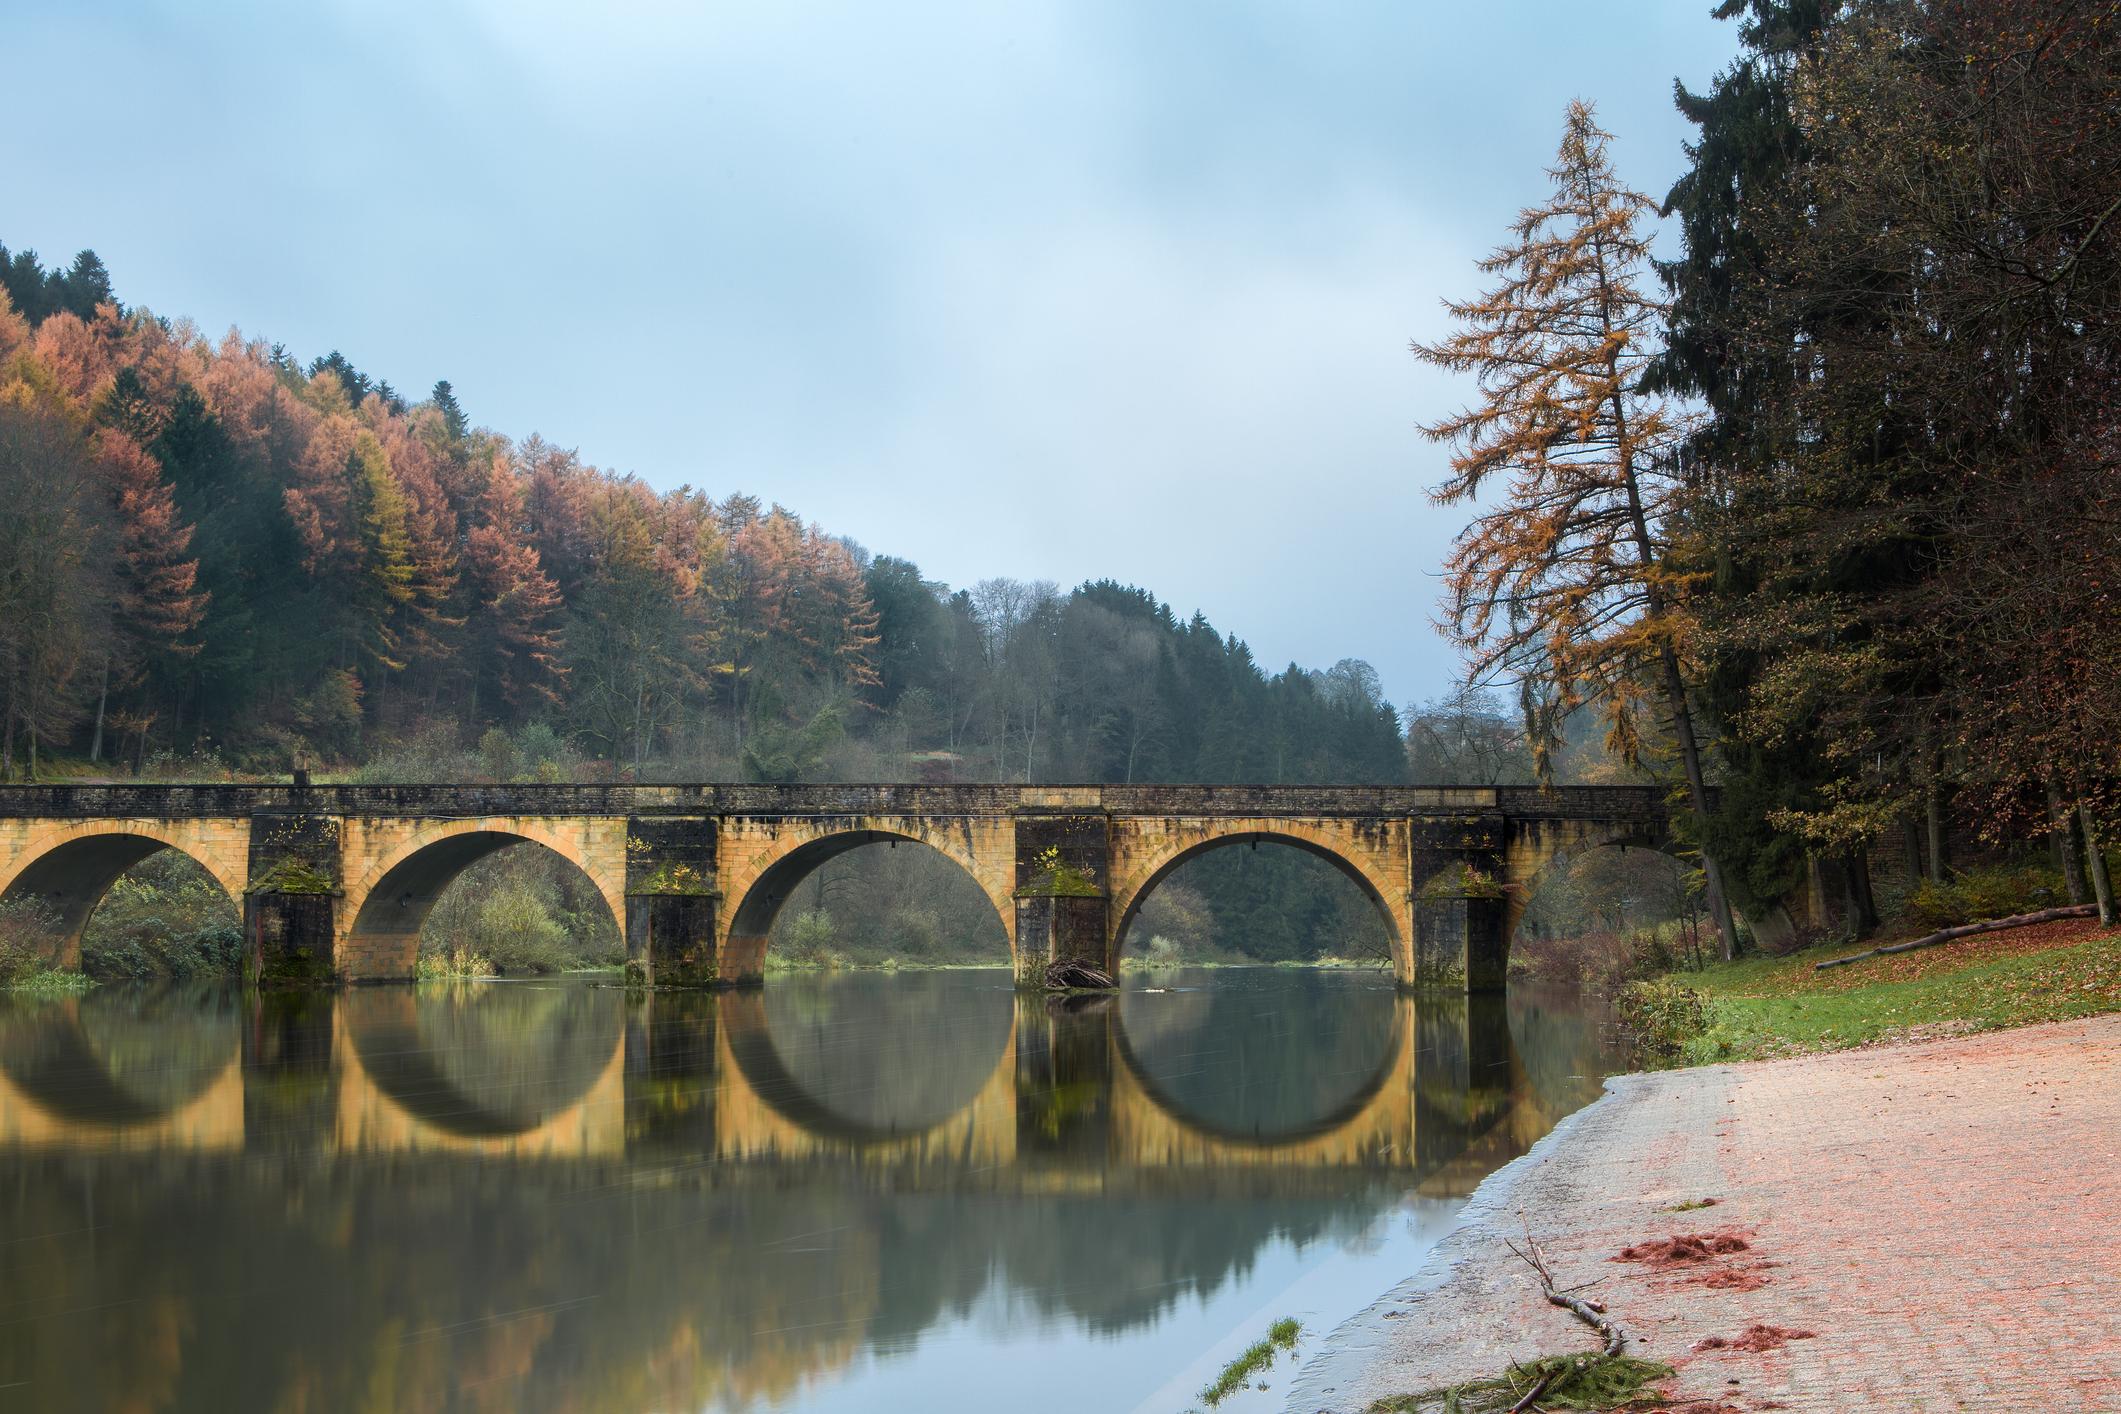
1234 1064
938 1072
498 1067
121 1068
871 1058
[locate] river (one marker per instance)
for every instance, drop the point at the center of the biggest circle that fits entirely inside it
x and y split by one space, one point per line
865 1191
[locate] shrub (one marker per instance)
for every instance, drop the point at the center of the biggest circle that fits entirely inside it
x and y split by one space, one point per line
1972 895
1162 954
521 910
166 918
1661 1016
512 931
29 938
497 756
1599 958
808 937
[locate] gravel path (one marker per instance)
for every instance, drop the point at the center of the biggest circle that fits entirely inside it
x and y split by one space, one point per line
1943 1218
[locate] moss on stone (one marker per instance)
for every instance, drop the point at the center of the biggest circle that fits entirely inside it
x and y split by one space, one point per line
1056 878
674 880
289 875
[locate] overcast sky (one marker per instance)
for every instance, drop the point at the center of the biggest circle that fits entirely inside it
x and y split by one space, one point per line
1059 291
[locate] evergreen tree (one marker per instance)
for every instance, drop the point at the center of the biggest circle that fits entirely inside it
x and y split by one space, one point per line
85 285
454 422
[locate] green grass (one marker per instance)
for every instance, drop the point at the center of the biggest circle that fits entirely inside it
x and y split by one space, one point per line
1257 1357
1781 1006
49 982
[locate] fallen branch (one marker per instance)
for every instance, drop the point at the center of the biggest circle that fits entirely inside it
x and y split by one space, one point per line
1067 975
1967 930
1589 1312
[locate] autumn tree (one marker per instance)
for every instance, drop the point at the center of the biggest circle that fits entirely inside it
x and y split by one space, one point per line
516 638
159 604
630 641
54 594
1568 576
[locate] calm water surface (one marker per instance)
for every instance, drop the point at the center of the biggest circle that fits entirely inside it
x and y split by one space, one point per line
913 1191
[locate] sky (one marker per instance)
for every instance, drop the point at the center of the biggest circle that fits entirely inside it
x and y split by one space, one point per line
1058 291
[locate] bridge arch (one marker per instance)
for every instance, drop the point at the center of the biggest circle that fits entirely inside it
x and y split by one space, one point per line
762 862
1535 845
379 935
70 867
1363 852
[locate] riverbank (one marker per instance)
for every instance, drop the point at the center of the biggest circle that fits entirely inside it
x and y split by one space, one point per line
1761 1008
1928 1226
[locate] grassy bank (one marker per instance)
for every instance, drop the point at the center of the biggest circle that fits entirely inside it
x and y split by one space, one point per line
1763 1007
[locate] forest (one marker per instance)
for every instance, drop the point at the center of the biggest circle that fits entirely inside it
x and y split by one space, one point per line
1813 514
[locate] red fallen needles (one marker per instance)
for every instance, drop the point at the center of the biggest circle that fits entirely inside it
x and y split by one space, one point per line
1683 1250
1756 1339
1733 1279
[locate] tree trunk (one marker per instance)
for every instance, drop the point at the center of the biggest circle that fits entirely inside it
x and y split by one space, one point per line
2095 855
1698 795
1815 891
1964 930
1934 809
2063 836
1911 841
1863 904
95 745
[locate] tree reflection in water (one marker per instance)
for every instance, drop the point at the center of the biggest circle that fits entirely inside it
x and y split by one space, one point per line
583 1199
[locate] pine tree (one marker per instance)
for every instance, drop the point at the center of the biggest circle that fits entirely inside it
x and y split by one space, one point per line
454 422
1721 350
85 285
1569 577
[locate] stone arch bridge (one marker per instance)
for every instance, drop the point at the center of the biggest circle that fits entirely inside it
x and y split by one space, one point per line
336 881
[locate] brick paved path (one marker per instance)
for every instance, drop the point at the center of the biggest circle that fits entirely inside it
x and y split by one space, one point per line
1946 1217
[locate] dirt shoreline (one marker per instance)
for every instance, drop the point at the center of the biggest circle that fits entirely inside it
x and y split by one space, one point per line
1941 1221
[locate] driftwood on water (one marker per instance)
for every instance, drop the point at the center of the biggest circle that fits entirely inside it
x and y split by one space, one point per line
1968 930
1064 974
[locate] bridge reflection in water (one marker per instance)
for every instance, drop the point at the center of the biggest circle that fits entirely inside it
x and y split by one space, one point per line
649 1176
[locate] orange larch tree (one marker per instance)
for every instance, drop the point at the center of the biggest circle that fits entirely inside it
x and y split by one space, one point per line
158 603
1565 581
